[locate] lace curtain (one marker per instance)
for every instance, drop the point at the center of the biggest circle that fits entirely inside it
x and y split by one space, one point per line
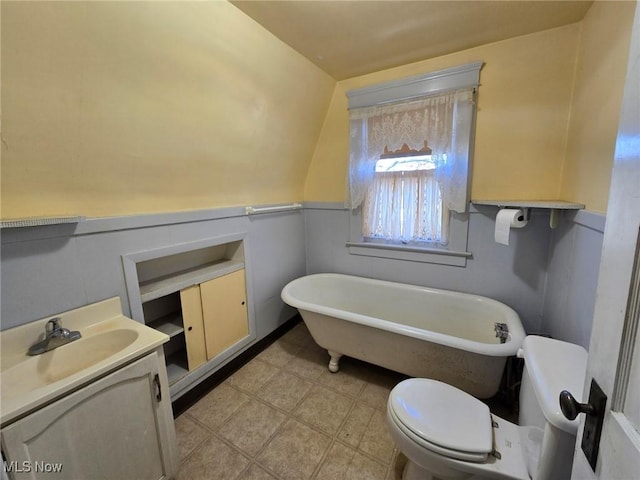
442 121
405 206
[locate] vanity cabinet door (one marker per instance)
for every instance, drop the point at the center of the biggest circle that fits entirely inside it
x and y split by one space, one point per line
224 308
114 428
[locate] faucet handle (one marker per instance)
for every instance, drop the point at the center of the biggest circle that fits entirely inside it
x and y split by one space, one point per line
52 325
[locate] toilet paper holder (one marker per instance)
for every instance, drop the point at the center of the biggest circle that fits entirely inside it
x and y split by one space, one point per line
526 213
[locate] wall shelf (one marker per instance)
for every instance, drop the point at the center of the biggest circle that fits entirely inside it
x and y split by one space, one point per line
548 204
168 284
554 205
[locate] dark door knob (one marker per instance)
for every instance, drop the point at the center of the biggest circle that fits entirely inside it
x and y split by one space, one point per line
571 407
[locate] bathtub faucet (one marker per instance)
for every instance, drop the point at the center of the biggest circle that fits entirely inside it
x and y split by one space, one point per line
502 331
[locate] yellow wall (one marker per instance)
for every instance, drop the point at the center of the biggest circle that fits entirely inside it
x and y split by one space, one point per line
602 61
547 119
523 110
137 107
129 107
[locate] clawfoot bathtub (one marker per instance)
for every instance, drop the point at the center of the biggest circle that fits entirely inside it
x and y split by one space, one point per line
457 338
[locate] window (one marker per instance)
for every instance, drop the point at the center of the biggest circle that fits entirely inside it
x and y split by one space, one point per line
409 157
404 201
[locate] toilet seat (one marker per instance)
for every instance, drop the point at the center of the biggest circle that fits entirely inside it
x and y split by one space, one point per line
443 419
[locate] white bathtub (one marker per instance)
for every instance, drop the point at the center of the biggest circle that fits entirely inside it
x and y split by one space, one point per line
418 331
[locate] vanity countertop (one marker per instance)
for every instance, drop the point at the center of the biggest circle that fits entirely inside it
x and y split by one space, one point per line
109 341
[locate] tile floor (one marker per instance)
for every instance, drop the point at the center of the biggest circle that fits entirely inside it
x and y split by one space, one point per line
285 416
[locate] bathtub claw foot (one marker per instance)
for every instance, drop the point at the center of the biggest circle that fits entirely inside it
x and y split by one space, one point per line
334 363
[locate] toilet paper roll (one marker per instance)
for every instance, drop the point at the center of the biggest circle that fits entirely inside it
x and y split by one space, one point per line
507 219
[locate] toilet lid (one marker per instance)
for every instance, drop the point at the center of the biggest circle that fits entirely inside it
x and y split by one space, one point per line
443 415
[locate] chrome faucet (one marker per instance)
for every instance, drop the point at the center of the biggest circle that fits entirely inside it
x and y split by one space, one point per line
502 331
54 336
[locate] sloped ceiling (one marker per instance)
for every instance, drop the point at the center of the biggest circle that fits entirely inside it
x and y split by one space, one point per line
356 37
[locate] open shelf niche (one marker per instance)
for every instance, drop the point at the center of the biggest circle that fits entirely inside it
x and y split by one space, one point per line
161 284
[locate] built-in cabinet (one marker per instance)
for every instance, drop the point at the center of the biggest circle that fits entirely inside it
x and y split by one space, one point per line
217 311
197 294
119 426
214 317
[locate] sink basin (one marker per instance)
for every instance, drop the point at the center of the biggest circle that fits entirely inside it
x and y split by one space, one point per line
57 364
109 341
78 355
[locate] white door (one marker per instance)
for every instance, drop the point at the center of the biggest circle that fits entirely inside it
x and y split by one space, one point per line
614 337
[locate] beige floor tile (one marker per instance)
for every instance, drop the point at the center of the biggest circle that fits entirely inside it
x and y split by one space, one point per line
299 335
349 380
397 466
279 353
295 451
310 362
344 463
324 409
291 376
188 434
284 391
252 376
376 394
376 440
356 424
251 426
213 460
255 472
218 405
275 409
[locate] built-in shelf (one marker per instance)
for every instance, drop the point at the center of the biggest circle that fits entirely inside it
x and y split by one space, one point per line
168 284
176 366
169 325
185 290
553 205
549 204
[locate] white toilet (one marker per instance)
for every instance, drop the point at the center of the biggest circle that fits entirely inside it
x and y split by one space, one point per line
446 433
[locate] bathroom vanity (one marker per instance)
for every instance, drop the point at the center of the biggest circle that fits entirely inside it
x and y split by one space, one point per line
98 407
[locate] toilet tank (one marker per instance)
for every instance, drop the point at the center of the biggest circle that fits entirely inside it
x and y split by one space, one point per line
550 367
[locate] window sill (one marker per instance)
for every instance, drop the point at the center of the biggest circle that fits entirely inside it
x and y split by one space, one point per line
439 256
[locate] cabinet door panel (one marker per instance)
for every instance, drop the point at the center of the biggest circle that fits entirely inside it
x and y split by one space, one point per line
224 308
108 429
193 326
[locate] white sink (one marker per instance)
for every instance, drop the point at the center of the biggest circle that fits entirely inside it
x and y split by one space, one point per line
108 341
50 367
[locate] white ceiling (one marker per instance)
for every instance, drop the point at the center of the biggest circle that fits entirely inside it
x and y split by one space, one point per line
347 38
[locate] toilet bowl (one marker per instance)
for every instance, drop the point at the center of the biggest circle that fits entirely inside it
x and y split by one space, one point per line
446 433
438 444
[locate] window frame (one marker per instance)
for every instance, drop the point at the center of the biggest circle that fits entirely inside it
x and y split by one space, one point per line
455 252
